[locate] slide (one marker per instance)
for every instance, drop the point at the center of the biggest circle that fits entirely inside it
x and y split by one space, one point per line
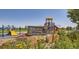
13 33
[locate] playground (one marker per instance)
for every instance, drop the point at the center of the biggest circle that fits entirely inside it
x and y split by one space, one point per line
47 32
38 37
48 28
45 36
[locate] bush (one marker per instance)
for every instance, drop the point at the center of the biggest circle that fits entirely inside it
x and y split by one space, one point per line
67 41
74 37
63 43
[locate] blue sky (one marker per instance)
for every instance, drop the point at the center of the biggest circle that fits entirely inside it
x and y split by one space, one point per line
35 17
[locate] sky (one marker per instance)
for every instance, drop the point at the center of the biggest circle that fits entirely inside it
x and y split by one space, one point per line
34 17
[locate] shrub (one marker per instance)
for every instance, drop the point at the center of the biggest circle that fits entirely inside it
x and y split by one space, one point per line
63 42
74 37
40 44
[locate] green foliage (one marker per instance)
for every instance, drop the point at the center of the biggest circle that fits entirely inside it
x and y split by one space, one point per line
68 28
73 14
40 44
63 42
74 37
68 41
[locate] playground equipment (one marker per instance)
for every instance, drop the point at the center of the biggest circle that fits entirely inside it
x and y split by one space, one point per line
12 33
48 28
7 31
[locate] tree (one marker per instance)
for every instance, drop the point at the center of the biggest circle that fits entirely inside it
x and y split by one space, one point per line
13 27
25 27
73 14
8 27
68 28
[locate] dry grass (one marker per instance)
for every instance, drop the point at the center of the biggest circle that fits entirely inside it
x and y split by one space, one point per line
30 42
